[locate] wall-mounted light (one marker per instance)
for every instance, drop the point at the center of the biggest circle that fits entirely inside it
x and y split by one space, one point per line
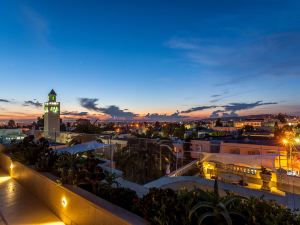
64 202
11 166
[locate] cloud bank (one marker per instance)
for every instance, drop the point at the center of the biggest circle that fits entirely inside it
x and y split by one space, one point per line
113 111
199 108
165 117
4 100
74 113
229 110
33 103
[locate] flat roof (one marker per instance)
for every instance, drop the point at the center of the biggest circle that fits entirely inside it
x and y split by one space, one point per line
84 147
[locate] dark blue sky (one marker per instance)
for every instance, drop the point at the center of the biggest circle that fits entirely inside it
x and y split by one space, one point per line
152 57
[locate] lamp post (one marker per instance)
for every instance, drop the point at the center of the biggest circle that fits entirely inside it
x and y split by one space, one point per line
160 157
111 153
176 157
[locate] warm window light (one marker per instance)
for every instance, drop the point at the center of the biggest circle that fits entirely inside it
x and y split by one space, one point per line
64 202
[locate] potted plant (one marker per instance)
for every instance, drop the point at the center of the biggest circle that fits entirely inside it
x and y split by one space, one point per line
266 176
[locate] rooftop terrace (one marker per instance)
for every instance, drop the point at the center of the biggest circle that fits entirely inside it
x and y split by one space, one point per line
18 206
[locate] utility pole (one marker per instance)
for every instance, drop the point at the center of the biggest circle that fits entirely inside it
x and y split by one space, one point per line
160 157
111 153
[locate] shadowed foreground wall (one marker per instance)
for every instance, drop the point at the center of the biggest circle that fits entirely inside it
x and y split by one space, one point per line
71 204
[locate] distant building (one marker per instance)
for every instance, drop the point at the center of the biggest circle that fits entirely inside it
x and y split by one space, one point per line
250 149
293 121
121 143
83 122
225 129
253 123
198 146
52 116
9 135
262 148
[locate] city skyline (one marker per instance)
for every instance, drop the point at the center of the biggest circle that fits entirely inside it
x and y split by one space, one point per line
93 111
125 60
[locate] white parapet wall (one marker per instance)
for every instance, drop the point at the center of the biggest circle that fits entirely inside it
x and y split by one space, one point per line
70 203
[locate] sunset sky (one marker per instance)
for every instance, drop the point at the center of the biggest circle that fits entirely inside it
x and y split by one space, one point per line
128 59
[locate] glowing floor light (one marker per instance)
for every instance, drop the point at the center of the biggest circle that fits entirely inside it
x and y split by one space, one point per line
64 202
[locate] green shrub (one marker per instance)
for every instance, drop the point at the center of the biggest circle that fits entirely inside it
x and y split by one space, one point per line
260 211
165 206
124 197
161 206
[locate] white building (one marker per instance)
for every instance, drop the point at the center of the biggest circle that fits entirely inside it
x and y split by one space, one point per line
121 143
52 116
8 135
225 129
198 146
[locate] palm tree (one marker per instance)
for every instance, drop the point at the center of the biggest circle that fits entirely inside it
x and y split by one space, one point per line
140 161
215 208
68 166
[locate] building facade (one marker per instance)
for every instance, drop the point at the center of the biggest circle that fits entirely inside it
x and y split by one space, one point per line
198 146
52 116
254 123
9 135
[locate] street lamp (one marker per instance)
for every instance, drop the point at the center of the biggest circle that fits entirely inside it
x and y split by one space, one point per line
176 156
285 141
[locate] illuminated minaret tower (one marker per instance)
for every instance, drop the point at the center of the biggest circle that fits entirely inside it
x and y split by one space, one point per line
51 118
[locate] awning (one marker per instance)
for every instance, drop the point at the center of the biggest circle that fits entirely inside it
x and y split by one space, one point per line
253 161
85 147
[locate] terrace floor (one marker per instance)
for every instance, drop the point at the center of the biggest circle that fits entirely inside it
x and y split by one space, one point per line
19 207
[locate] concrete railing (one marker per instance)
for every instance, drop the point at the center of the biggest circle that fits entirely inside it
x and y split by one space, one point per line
188 182
71 204
183 169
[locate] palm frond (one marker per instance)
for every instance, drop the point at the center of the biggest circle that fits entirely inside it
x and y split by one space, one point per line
230 200
200 205
227 218
205 216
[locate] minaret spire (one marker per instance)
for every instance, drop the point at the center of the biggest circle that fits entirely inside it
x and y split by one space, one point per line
52 116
